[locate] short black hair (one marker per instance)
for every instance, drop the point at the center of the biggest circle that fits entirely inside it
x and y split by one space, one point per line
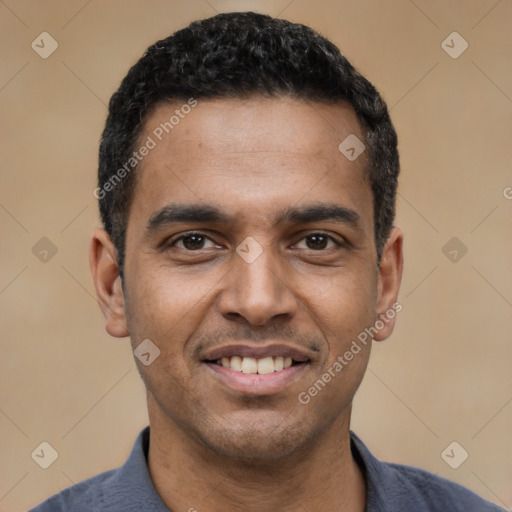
239 55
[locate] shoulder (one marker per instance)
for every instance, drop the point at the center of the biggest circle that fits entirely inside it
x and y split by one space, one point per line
80 497
435 493
396 487
128 488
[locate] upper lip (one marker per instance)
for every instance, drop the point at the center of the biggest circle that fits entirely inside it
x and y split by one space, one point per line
257 352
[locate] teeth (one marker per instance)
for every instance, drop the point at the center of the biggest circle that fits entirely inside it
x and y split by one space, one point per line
266 365
249 365
262 366
236 363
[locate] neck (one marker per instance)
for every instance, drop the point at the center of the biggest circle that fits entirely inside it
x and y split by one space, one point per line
321 476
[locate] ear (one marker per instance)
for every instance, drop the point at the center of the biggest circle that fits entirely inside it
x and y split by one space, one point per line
107 281
390 277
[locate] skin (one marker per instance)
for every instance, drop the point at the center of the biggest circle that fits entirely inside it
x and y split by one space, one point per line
213 448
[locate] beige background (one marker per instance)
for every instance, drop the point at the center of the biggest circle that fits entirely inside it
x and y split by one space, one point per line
444 376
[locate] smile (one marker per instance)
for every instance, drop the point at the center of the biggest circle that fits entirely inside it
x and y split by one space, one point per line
248 380
263 366
257 369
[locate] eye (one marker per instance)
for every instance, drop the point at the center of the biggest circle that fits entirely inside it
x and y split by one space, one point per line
192 242
318 242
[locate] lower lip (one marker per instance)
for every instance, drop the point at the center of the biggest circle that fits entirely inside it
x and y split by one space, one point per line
256 384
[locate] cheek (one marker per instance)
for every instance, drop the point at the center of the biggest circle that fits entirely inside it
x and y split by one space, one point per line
351 311
342 305
165 306
334 387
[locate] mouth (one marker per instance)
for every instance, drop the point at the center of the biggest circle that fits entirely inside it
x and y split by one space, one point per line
257 370
262 366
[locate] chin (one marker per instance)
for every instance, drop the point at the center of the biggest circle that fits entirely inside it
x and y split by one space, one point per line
257 443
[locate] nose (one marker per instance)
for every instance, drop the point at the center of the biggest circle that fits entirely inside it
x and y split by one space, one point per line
257 291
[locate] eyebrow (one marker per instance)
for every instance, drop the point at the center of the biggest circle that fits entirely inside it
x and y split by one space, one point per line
176 213
203 213
320 212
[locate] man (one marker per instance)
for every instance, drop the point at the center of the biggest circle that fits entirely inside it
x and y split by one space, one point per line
247 183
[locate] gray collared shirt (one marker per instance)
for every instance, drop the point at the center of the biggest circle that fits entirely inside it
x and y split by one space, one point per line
390 488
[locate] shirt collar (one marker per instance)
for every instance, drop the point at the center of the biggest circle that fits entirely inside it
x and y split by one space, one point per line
134 479
378 475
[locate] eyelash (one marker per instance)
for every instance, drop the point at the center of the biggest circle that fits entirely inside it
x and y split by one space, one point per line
198 233
186 235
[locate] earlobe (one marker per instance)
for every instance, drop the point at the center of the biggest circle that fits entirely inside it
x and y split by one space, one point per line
390 277
107 281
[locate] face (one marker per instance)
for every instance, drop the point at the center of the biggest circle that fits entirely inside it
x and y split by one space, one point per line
250 245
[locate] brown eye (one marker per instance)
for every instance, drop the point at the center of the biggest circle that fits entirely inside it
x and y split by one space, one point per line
193 242
318 242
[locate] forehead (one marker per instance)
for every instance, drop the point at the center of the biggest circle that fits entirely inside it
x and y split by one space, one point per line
249 156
